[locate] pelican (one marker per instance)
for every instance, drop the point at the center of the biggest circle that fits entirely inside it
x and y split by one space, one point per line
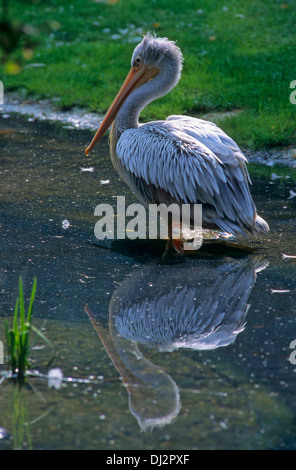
180 160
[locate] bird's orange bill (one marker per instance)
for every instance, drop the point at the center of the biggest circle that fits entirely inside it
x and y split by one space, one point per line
136 77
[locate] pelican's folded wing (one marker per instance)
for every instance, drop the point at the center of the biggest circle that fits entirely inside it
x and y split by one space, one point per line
195 162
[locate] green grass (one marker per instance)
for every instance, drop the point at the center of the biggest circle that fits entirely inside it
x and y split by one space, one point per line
238 55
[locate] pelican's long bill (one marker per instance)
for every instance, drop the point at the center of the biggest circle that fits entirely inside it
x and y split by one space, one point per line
137 76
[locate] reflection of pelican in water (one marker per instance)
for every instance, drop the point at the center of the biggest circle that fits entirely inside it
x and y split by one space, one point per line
153 395
199 305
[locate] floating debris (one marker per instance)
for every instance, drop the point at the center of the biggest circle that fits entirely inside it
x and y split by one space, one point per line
104 181
66 224
4 434
288 256
55 378
279 291
89 169
262 266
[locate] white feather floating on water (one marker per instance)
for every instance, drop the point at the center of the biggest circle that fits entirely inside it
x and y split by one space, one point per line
274 176
279 291
55 378
65 224
292 194
89 169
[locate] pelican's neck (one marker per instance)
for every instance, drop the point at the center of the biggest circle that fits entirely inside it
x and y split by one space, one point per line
160 85
128 115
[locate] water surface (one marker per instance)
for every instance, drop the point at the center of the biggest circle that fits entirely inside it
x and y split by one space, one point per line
186 353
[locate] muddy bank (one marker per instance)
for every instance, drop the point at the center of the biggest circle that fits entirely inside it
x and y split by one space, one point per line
83 119
48 110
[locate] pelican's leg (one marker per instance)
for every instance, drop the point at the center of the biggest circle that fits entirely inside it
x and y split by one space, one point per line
173 245
178 246
169 246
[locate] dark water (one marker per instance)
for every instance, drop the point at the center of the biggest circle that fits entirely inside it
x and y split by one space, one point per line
174 354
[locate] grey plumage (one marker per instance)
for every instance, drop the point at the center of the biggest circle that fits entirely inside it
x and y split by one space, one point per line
194 162
182 159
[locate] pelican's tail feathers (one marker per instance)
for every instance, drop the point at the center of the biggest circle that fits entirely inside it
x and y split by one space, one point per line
261 226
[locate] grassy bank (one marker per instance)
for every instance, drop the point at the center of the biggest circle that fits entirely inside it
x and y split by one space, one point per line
238 55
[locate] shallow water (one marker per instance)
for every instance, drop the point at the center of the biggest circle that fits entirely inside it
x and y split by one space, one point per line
173 354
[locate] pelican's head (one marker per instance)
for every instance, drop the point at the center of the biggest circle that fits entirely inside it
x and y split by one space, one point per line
158 52
151 58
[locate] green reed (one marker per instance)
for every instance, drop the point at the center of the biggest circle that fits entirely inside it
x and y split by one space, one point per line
17 336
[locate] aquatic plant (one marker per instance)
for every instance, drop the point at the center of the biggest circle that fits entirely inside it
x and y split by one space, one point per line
17 337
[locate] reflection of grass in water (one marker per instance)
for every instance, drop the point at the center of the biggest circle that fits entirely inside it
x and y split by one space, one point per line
265 171
19 410
19 347
20 422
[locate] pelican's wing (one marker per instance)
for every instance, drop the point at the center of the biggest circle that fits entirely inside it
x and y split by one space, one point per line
209 134
195 162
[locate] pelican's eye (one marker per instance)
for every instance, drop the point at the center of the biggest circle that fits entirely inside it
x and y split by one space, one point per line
138 60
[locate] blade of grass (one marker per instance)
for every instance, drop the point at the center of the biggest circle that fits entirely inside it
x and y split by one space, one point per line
13 355
27 324
39 333
22 305
15 317
32 299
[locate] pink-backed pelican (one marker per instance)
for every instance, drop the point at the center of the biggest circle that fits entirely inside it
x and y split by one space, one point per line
181 160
